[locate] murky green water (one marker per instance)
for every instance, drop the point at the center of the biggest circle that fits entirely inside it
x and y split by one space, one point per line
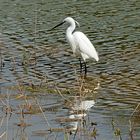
31 54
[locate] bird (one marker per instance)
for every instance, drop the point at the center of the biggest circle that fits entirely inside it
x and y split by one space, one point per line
79 42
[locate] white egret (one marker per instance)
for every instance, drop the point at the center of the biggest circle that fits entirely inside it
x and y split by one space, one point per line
79 42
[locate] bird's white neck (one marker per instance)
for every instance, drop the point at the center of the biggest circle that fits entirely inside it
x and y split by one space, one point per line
71 28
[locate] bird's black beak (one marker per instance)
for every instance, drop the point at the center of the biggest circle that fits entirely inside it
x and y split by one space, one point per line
57 25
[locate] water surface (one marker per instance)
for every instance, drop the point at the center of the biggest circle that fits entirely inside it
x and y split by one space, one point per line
32 55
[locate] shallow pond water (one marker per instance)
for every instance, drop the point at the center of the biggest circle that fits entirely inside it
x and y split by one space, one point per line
32 56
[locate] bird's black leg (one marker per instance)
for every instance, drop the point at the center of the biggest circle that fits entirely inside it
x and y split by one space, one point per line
85 68
80 65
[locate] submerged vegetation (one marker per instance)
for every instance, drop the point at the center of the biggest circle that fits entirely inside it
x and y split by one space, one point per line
26 102
22 102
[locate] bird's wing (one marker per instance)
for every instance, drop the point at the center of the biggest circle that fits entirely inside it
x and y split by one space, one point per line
85 46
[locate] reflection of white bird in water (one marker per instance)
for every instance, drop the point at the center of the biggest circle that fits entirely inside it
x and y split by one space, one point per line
83 105
78 111
79 42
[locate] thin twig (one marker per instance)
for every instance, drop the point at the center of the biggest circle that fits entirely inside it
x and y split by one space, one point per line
2 134
7 123
135 110
43 113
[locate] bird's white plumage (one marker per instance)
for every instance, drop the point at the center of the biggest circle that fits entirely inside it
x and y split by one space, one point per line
79 41
87 50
